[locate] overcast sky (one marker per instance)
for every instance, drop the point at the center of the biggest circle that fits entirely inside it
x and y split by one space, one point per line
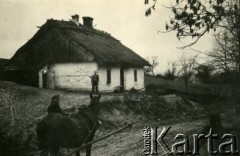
125 20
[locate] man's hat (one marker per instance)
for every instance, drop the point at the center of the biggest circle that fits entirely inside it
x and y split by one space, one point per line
55 97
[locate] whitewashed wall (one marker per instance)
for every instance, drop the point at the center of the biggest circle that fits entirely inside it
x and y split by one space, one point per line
115 79
129 78
74 75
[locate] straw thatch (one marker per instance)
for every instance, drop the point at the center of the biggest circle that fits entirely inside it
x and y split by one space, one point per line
3 62
64 41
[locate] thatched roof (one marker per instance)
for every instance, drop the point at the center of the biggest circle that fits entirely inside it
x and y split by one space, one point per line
64 41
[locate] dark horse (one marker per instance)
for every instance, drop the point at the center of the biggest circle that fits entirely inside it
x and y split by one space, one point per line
57 130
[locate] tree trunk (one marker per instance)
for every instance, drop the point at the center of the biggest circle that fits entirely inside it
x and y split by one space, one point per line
186 85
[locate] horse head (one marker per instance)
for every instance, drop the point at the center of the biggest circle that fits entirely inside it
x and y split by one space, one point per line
94 105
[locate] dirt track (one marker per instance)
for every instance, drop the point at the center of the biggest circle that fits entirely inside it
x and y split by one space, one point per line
30 105
130 143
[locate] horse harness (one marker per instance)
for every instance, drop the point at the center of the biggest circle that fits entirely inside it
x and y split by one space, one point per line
85 124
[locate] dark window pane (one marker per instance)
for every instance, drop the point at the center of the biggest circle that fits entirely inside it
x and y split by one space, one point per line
135 75
108 76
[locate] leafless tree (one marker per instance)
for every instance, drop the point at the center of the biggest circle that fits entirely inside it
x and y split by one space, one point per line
171 72
187 66
153 61
225 54
204 73
195 18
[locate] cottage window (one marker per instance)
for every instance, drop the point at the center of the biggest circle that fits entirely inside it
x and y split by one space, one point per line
108 76
135 75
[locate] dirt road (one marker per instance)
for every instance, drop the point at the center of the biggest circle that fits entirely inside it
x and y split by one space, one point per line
24 107
130 142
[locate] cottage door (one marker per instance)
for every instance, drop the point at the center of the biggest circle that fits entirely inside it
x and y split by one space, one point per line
122 79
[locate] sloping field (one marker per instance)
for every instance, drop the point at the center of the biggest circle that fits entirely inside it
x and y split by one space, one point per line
130 143
21 108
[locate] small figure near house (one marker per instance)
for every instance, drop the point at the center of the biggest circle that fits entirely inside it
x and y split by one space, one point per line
95 81
54 106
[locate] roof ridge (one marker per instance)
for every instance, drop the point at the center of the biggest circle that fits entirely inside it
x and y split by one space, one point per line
104 48
92 30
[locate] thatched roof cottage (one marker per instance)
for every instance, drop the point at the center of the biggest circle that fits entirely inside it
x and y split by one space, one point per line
64 54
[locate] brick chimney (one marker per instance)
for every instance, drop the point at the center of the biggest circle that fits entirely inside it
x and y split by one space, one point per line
88 21
75 19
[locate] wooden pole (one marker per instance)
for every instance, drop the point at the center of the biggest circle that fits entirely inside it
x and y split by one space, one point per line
99 139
